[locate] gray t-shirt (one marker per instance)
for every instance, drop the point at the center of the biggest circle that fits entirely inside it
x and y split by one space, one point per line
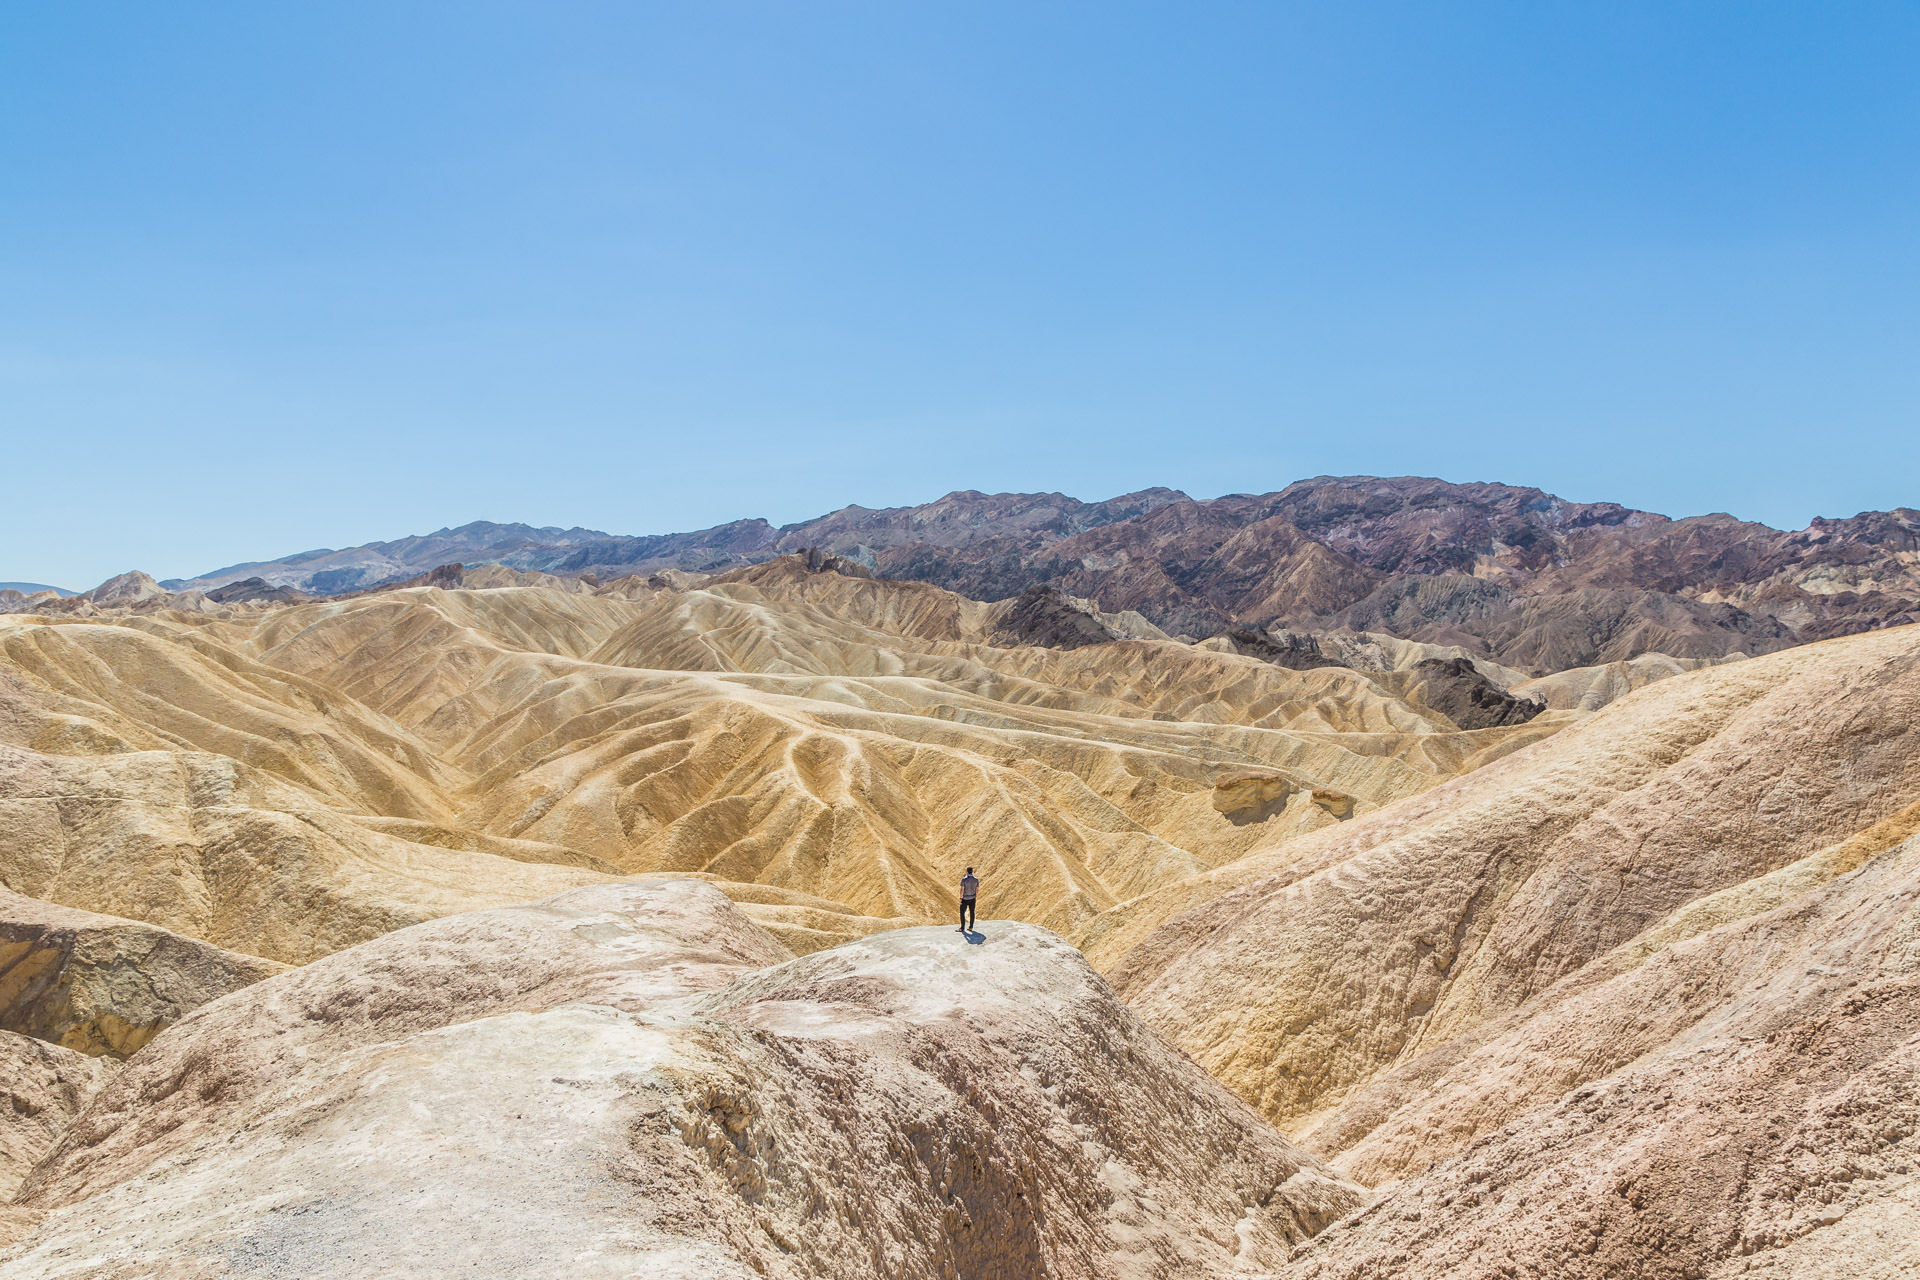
969 886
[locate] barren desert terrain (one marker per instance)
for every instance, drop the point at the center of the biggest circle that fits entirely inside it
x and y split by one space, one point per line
1378 882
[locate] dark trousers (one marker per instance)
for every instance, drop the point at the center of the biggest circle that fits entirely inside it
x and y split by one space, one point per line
966 913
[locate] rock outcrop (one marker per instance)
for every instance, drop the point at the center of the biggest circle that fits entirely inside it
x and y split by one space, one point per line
1042 616
102 986
1294 650
634 1079
1454 688
1251 795
42 1088
1338 803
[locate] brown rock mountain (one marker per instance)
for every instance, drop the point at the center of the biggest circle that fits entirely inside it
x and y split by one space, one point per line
958 519
1515 574
1188 567
966 518
1543 633
1512 574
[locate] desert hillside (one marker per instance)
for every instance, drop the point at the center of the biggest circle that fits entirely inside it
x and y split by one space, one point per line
544 921
1645 987
831 748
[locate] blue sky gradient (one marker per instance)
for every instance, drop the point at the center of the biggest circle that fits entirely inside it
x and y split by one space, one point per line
275 277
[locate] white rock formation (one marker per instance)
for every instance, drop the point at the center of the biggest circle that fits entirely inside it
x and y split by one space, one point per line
635 1080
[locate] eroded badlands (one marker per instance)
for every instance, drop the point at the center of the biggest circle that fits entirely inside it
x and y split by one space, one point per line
550 929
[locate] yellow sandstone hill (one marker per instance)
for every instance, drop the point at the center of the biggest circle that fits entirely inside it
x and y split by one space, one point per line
284 781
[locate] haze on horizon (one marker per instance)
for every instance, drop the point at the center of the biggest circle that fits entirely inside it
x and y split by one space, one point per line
278 279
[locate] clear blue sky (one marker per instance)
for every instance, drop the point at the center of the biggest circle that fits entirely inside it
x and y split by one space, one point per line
278 276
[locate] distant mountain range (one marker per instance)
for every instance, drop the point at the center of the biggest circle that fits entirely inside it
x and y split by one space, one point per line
1515 573
955 521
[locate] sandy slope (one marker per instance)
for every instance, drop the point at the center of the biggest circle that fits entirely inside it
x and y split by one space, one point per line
45 1086
1762 1117
1400 932
1635 1002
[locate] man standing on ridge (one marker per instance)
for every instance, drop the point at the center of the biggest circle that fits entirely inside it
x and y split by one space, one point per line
969 890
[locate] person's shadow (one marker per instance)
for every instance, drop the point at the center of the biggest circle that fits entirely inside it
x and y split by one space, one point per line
975 937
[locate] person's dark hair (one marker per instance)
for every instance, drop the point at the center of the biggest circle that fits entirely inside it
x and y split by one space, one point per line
969 870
